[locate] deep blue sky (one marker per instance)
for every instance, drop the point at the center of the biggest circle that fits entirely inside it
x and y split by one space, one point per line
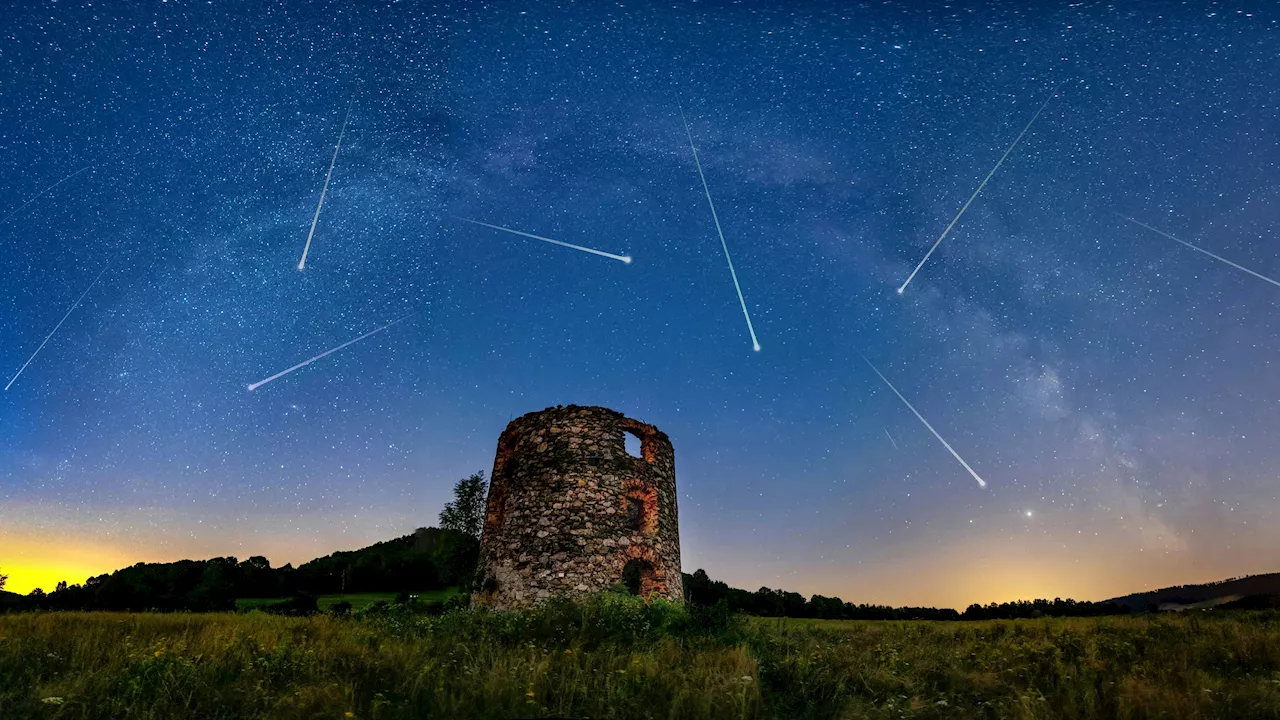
1117 391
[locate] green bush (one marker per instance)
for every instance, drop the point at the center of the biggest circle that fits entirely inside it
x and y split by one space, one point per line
296 606
716 619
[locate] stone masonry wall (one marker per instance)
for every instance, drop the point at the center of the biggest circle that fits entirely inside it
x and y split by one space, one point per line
568 509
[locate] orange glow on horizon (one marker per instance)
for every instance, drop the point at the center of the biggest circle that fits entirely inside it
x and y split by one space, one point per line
41 564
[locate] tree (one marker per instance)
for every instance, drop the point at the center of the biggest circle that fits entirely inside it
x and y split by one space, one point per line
466 513
257 579
62 585
462 521
3 578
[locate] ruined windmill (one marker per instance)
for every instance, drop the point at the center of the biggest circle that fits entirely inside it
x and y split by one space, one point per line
570 511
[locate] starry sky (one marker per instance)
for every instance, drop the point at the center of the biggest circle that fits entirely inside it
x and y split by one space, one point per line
1117 391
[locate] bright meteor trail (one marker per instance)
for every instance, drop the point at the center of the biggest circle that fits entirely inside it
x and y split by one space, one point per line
305 363
945 444
55 327
1201 250
624 258
755 344
302 264
956 219
40 194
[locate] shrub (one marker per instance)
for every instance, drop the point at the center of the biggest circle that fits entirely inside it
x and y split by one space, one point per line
716 619
298 605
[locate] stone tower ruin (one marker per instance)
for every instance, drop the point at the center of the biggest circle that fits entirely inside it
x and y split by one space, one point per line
570 511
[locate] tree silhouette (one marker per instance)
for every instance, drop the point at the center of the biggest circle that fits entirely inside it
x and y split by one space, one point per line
3 579
466 513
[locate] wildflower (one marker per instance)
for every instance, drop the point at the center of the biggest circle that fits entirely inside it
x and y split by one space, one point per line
529 694
348 714
158 653
53 700
568 652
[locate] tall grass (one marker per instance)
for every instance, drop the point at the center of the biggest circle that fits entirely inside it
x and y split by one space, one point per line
614 657
1189 666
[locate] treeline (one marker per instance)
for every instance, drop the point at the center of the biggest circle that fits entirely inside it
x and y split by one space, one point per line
699 589
196 585
429 559
1056 607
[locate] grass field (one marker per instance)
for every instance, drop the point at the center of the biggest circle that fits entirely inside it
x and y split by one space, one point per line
617 658
358 600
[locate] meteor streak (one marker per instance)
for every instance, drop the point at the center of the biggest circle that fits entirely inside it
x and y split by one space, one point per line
945 444
755 344
1201 250
305 363
624 258
956 219
38 195
55 327
302 264
895 442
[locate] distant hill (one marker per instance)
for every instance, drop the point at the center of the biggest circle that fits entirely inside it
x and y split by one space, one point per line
1253 602
429 559
1181 597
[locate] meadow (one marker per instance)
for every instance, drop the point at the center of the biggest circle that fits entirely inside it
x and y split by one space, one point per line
612 656
358 601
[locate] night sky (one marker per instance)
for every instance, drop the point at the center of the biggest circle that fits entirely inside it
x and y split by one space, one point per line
1119 392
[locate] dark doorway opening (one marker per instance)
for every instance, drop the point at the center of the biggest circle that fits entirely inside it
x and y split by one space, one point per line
637 574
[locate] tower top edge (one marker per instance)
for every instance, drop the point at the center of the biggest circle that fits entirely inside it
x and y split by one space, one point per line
557 412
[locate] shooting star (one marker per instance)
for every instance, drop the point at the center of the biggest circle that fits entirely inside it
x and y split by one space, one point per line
40 194
624 258
55 327
895 442
945 444
305 363
755 344
1201 250
956 219
302 264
